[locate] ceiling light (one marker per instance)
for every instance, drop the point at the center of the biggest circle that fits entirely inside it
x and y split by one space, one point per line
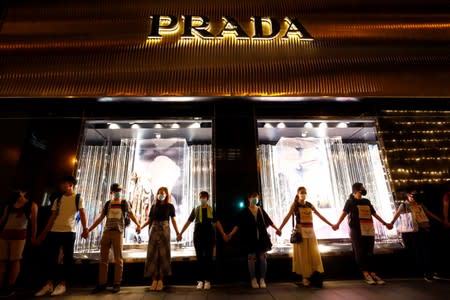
281 125
194 125
175 125
157 125
113 126
323 125
135 126
342 125
268 125
308 125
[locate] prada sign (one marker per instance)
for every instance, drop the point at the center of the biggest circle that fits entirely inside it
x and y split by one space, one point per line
258 28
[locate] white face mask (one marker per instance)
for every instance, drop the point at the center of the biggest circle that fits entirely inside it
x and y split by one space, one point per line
161 197
203 201
302 197
117 195
254 201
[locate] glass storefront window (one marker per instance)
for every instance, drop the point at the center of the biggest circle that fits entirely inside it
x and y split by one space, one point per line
326 157
143 156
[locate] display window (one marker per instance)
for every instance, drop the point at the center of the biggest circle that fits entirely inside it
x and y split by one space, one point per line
143 156
326 157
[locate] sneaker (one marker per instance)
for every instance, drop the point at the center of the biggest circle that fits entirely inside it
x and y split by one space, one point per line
59 290
98 288
428 278
207 285
199 285
262 283
306 282
153 286
159 285
254 283
369 279
116 288
378 280
7 292
46 289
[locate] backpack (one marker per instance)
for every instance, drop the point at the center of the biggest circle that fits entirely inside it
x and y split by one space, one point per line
77 206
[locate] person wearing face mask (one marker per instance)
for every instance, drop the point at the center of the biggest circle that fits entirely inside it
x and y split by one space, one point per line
306 256
362 233
418 241
253 222
158 263
204 238
112 237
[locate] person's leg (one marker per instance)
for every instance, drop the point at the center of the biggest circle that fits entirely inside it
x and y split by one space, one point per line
68 239
4 257
199 253
251 261
262 269
105 245
117 244
2 272
17 247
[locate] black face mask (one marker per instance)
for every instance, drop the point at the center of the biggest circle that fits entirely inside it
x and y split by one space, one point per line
363 192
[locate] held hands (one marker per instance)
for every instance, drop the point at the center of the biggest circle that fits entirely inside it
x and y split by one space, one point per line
278 232
389 226
179 237
85 233
138 228
335 227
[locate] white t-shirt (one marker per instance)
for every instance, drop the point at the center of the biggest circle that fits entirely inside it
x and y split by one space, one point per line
65 220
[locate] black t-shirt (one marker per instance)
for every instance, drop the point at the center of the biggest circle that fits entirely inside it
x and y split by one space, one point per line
353 207
161 212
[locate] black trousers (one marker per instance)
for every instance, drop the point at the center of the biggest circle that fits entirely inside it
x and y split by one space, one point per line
204 247
66 242
363 250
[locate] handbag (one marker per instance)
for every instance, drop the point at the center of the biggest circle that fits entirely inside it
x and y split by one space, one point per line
406 222
296 237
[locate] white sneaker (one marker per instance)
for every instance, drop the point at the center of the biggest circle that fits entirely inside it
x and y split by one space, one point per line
207 285
200 285
262 283
46 289
306 282
153 286
159 285
378 280
254 283
59 290
369 279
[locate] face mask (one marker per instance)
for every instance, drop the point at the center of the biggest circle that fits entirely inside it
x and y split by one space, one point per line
254 201
161 197
363 192
203 201
117 195
302 196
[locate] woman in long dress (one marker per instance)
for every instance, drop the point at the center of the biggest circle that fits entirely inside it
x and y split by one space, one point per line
306 256
158 263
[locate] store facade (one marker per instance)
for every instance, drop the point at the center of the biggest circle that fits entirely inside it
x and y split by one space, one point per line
229 97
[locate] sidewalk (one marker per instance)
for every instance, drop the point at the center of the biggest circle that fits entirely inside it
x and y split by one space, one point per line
394 289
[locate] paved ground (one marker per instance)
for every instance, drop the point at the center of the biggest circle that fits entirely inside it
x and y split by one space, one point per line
394 289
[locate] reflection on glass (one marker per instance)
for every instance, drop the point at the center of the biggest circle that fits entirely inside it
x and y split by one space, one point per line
327 168
142 166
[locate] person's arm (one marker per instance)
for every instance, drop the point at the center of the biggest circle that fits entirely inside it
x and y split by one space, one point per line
396 215
233 232
322 217
83 220
186 225
388 225
33 219
96 222
134 219
219 227
5 214
432 216
48 227
445 207
174 224
286 218
341 218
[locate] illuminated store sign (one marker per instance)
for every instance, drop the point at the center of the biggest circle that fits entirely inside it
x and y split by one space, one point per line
258 28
